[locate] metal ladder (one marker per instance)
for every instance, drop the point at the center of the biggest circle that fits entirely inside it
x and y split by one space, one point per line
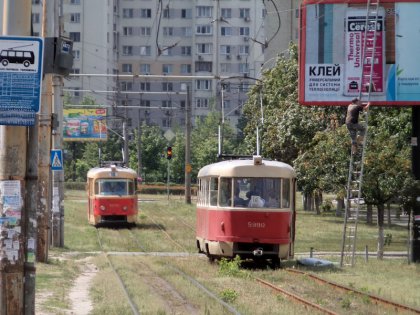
355 175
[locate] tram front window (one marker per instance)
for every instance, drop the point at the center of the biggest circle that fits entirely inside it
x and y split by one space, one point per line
114 187
257 192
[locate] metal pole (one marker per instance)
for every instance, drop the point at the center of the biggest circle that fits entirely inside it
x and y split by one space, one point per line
125 138
58 176
188 149
13 157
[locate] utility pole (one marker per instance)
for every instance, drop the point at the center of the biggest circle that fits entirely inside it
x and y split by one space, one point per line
13 157
188 148
57 206
44 147
415 216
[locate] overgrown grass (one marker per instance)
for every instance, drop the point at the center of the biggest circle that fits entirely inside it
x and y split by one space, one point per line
161 220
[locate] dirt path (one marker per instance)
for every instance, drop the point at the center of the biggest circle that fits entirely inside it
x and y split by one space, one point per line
80 304
79 293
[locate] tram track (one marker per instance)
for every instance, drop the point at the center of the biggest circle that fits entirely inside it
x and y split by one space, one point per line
299 297
377 299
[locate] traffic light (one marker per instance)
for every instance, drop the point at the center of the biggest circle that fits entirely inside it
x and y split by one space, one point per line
169 153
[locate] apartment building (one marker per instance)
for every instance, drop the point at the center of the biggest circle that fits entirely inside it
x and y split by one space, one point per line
138 56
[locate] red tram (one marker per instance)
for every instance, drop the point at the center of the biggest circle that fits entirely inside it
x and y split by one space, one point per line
112 195
246 208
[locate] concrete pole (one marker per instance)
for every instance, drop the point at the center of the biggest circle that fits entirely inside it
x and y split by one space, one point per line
44 148
126 159
13 149
188 149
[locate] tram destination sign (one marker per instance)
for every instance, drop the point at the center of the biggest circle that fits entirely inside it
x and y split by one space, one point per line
20 79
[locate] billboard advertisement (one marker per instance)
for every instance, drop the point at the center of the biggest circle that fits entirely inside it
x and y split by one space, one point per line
84 124
333 44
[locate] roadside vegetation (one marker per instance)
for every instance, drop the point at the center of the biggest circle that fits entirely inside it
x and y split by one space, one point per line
168 226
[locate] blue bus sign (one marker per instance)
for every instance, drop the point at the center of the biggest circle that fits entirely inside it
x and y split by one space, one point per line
20 79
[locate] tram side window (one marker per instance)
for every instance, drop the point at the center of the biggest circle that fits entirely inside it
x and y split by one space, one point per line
214 189
225 192
285 193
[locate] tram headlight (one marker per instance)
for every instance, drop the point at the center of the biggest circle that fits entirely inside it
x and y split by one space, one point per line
102 208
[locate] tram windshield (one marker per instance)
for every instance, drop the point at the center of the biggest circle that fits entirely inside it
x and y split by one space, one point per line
120 187
254 192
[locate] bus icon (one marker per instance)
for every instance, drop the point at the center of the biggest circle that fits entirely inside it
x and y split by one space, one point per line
24 57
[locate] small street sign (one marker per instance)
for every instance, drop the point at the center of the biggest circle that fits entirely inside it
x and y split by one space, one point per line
56 160
20 79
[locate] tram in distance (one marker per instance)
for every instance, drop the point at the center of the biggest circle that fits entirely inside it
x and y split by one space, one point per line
246 208
112 195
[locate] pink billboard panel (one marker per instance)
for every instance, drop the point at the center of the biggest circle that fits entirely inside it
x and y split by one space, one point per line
357 71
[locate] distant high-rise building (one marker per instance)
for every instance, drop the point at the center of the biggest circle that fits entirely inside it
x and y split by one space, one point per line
214 45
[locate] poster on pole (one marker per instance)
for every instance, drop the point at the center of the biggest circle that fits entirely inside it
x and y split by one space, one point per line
84 124
20 79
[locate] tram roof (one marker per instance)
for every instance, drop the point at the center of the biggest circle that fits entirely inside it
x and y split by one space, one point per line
247 168
105 172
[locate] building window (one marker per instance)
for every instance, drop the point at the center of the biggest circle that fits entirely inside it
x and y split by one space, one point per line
35 18
145 68
127 31
244 13
76 54
168 31
185 68
225 67
225 49
128 13
203 84
166 122
74 1
244 31
167 104
75 17
166 13
244 50
36 1
145 86
126 86
167 68
145 31
204 11
226 31
167 86
226 13
201 102
186 31
186 50
145 103
127 68
145 50
204 48
203 30
203 66
127 50
186 13
243 68
75 36
146 13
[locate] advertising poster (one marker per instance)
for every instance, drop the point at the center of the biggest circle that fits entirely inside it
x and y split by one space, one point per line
358 71
84 125
332 71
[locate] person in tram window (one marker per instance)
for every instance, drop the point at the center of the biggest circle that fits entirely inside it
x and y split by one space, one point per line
352 122
238 201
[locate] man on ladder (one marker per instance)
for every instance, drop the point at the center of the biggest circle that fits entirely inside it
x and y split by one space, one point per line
352 122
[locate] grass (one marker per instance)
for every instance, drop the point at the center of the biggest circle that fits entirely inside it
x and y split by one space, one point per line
160 220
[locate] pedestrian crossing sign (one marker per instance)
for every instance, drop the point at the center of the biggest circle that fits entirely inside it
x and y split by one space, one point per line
56 160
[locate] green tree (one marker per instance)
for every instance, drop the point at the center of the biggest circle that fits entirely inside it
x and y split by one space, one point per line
153 153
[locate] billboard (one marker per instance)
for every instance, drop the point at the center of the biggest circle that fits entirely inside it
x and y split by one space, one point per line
84 124
332 41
